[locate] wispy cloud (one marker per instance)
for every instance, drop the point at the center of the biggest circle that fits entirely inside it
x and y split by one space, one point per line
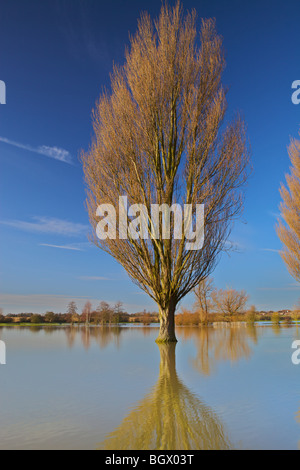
48 225
233 245
275 215
281 288
63 247
272 250
82 39
52 152
94 278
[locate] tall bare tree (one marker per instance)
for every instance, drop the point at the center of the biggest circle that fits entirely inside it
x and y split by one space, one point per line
72 308
288 229
158 140
203 298
72 312
104 313
86 312
296 312
229 301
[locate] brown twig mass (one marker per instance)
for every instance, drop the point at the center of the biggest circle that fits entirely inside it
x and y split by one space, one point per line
160 138
288 229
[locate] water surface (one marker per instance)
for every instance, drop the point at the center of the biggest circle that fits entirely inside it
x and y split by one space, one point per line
115 388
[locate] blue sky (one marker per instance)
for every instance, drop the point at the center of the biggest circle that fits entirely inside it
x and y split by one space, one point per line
55 59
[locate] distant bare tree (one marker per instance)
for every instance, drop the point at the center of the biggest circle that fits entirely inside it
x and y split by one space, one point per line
229 301
86 312
72 308
203 298
251 314
296 311
72 312
49 317
288 229
104 312
158 140
118 310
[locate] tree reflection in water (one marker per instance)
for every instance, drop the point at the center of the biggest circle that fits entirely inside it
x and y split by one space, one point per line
103 336
220 344
170 417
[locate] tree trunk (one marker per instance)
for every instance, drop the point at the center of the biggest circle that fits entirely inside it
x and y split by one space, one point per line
167 367
167 324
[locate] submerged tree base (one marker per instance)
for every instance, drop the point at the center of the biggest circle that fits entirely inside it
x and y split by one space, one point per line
167 325
161 340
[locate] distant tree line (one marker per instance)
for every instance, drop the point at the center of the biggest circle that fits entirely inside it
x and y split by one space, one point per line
211 305
104 314
188 317
228 305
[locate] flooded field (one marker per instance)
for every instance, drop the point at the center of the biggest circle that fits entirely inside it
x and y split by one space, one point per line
115 388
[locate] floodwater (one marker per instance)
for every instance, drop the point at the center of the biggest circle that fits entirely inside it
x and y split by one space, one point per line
115 388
